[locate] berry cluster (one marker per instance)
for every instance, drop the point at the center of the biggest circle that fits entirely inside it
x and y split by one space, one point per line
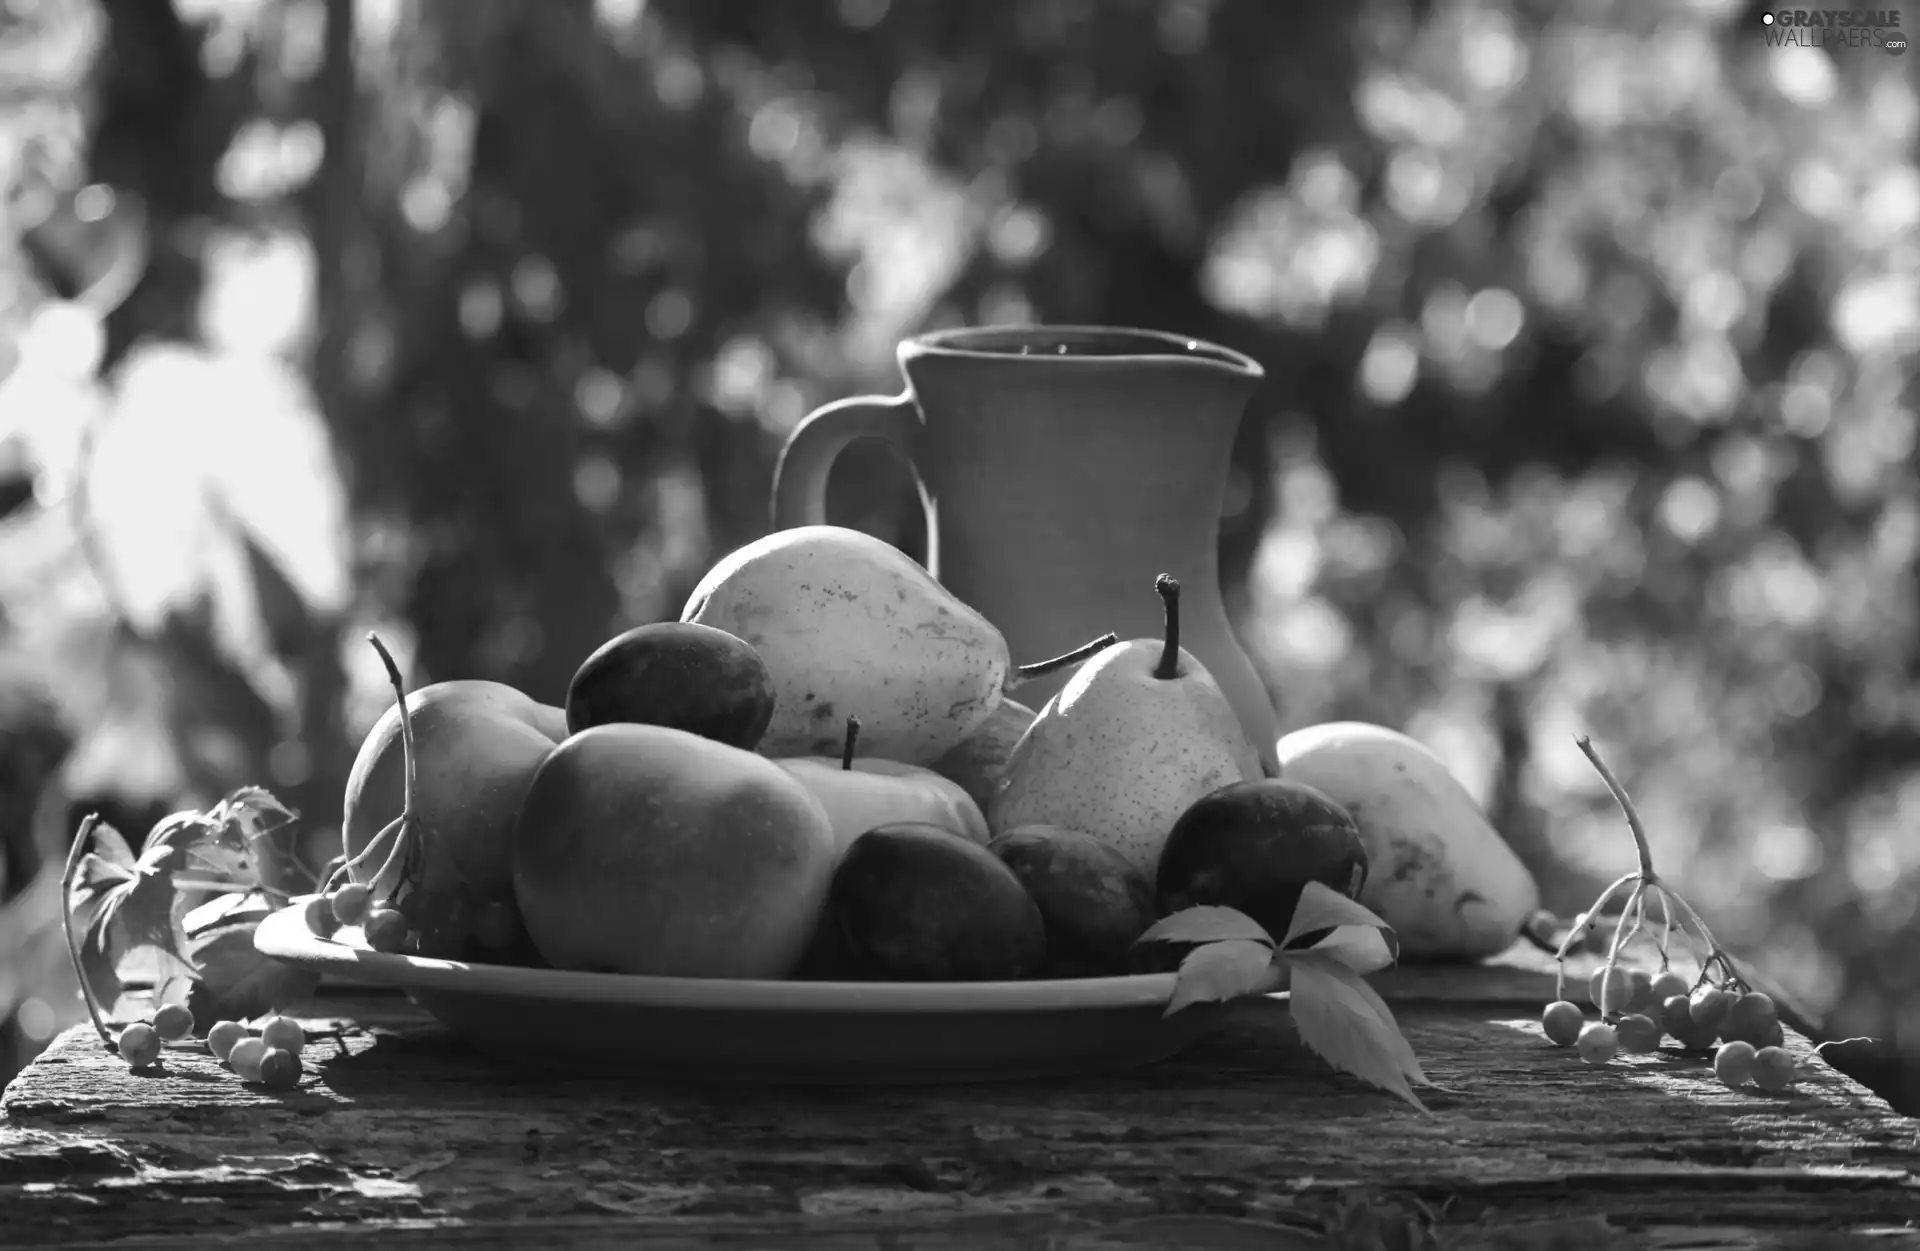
1640 1011
383 923
1716 1012
382 920
269 1055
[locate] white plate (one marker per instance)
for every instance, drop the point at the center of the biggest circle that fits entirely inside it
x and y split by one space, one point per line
768 1031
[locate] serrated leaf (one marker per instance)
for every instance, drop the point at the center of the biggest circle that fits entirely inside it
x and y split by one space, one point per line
108 863
250 907
1359 939
238 982
1360 947
1345 1023
1206 923
1231 968
140 910
253 840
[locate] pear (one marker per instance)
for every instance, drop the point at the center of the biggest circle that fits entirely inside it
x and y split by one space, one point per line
1132 739
1440 874
847 623
979 762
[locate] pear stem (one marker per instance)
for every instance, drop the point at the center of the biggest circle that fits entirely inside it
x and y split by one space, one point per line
1041 668
1168 589
846 752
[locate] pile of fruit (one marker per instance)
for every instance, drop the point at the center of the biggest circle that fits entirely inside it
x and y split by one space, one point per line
818 772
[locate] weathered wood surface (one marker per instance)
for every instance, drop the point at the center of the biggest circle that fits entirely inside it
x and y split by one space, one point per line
1245 1142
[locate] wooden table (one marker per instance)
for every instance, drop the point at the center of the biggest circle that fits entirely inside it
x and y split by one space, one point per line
1244 1142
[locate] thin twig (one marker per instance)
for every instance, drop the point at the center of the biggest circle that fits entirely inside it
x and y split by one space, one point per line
1625 801
75 853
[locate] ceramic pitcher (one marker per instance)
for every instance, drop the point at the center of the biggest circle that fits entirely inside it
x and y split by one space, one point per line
1062 469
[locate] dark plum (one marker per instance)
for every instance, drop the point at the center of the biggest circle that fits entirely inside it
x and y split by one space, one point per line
677 674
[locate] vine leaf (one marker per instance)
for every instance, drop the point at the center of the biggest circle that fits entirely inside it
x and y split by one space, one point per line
1206 923
1175 937
1357 938
1231 968
236 982
126 903
1343 1021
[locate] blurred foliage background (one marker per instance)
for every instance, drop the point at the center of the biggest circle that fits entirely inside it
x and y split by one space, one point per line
1590 333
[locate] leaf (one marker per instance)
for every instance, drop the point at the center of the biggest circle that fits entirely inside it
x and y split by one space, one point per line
1345 1023
138 910
237 982
257 840
108 864
233 907
1231 968
1359 939
1206 923
1360 947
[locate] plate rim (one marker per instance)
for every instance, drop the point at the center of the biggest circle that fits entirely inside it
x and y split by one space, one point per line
283 935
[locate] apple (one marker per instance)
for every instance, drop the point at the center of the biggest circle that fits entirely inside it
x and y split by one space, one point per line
866 793
477 745
649 850
869 793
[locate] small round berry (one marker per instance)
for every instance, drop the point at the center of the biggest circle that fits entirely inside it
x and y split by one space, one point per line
284 1033
1640 984
386 929
1772 1034
1733 1064
173 1022
321 922
1594 986
497 925
1773 1068
1597 1043
139 1044
222 1037
1637 1032
1616 988
1750 1019
1689 1033
351 903
279 1069
1562 1021
245 1058
1709 1007
1669 984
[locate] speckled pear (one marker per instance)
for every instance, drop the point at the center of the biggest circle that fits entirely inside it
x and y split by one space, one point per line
849 625
1440 874
1132 739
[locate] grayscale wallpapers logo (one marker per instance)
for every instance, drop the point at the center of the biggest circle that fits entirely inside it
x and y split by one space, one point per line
1835 28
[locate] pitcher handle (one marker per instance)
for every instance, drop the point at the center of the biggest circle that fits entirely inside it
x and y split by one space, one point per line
800 475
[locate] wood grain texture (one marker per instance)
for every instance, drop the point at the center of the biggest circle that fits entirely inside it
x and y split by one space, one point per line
1247 1141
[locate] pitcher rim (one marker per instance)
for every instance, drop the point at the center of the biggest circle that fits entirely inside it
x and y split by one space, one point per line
953 343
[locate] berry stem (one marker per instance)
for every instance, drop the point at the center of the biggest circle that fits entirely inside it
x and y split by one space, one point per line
1620 927
1041 668
1666 927
81 841
1579 931
1625 801
406 725
1592 917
